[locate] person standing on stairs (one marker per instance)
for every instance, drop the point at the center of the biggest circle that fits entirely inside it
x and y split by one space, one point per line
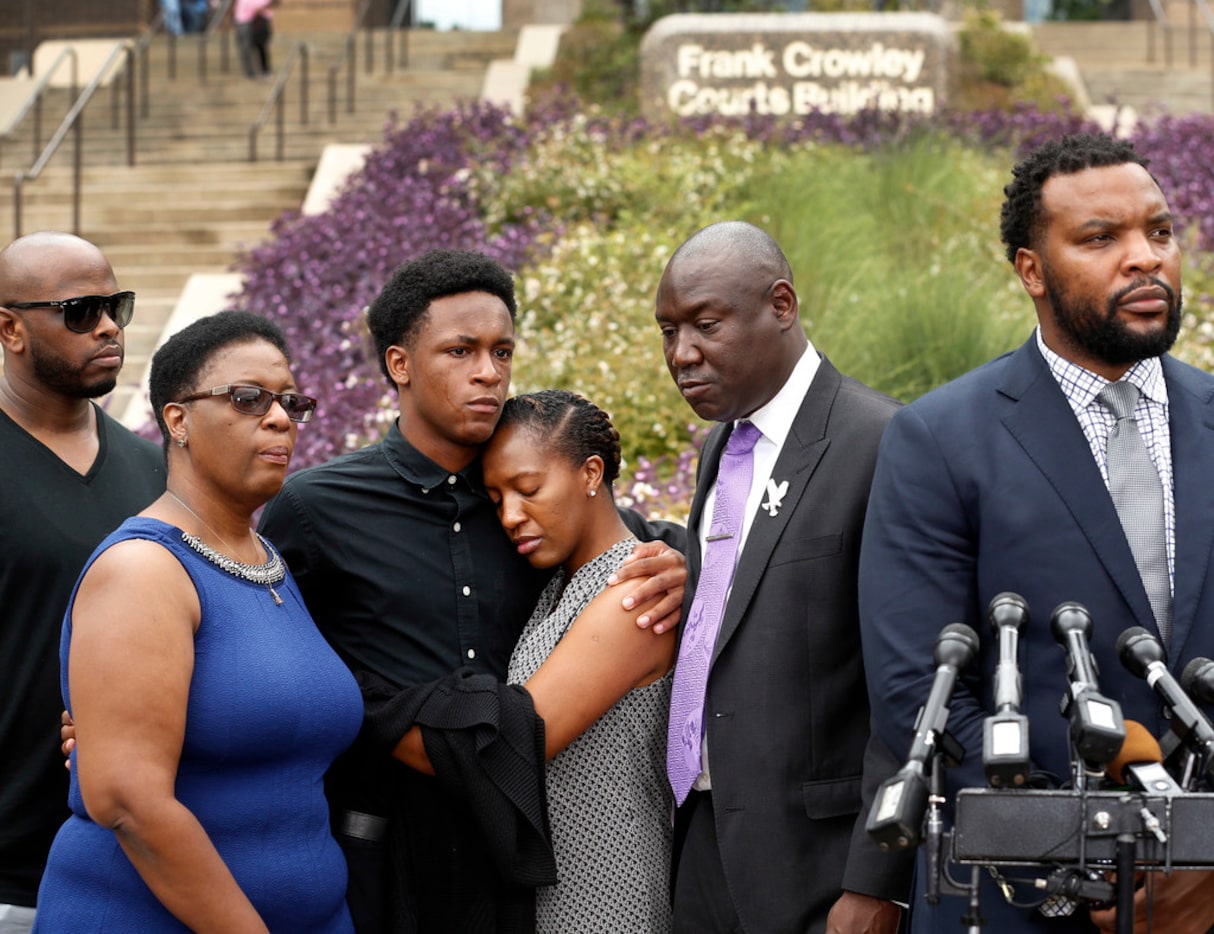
252 18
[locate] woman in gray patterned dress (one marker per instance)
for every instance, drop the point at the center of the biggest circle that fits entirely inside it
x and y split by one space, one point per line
601 684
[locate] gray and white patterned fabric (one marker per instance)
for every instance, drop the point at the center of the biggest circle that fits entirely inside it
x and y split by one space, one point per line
609 802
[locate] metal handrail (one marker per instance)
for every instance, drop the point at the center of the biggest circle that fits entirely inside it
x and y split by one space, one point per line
1161 19
1209 21
299 52
141 53
35 99
403 8
74 122
218 18
348 56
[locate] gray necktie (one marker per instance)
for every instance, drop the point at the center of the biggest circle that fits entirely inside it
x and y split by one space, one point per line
1138 495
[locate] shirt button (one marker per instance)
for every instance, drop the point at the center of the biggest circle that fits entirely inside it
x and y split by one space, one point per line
456 527
467 591
451 479
472 653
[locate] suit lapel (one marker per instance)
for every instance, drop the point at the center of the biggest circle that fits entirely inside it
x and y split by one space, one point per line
1192 428
799 458
706 475
1043 423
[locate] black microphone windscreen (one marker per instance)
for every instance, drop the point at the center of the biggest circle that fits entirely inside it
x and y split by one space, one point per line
1006 609
956 645
1137 649
1197 680
1070 617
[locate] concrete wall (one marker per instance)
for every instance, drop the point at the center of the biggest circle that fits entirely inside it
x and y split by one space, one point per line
319 15
67 19
519 13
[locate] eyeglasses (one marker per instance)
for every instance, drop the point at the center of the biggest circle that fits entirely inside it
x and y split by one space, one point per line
83 313
254 400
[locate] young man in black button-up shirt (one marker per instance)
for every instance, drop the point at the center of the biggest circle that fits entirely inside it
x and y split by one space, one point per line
407 572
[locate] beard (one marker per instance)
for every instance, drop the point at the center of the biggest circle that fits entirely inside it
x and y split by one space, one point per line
58 375
1101 333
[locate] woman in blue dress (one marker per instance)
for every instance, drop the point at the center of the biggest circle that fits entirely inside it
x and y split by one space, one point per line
207 707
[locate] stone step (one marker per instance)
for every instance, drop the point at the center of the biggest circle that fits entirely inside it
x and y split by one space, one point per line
197 257
148 276
1151 91
1126 63
414 49
140 207
169 198
1123 44
193 202
231 234
181 132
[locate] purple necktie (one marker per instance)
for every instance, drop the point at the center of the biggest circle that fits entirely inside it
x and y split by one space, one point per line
707 608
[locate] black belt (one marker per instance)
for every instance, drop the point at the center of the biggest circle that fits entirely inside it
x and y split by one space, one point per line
362 826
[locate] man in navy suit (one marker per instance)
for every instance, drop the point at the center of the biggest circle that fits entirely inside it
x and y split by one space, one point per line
998 481
769 840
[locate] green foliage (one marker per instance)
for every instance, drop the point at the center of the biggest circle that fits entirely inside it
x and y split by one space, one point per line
1079 10
998 54
599 54
600 60
586 319
587 325
580 170
1002 68
896 257
895 254
1195 344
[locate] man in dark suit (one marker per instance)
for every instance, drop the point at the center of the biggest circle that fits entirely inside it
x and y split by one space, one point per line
767 835
999 481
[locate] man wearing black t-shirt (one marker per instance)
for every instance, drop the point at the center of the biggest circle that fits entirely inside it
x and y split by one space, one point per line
69 475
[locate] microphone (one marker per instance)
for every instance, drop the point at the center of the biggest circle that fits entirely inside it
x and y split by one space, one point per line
895 821
1142 654
1197 680
1097 727
1005 734
1140 763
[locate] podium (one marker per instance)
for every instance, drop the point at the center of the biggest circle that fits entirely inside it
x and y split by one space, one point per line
1036 827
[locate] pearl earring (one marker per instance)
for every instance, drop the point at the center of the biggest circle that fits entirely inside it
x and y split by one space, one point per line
593 493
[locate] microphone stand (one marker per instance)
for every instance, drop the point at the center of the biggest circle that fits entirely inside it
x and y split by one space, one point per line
934 829
946 750
1126 846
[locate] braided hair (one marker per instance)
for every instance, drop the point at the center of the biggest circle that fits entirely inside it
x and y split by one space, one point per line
570 425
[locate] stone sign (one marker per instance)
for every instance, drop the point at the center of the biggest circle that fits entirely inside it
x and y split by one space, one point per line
794 63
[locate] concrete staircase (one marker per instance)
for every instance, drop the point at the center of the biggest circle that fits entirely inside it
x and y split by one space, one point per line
1117 66
194 200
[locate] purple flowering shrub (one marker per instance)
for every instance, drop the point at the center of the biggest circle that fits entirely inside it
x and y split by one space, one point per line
661 488
585 209
318 273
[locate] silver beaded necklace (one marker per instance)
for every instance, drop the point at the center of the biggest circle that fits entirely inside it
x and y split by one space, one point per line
267 575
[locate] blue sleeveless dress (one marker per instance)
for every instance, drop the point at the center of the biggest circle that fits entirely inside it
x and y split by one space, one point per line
270 706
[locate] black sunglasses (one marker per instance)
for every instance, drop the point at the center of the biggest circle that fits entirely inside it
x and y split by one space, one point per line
254 400
83 313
